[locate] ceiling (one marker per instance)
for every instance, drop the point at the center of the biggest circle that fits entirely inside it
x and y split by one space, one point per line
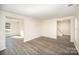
42 11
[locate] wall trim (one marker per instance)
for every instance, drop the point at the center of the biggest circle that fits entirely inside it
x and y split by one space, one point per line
2 49
76 46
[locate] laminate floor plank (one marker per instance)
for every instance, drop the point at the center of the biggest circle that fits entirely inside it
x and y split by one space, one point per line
39 46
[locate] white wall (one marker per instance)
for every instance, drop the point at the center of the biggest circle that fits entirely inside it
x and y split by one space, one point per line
21 27
77 32
50 28
2 31
31 29
72 29
36 28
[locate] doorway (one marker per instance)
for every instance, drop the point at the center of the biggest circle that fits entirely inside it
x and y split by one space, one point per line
14 32
63 30
13 27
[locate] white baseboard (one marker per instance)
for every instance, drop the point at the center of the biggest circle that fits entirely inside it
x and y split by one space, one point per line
50 37
2 49
31 38
38 37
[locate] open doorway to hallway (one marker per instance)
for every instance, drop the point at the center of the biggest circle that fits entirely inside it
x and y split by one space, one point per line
63 30
13 27
13 31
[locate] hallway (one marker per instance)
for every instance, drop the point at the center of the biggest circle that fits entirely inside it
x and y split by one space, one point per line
39 46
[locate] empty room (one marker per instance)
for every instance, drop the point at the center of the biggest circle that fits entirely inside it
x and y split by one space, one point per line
39 29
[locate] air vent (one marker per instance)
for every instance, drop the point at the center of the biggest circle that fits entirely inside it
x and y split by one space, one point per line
69 5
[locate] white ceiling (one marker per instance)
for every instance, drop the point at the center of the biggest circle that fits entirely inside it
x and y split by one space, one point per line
42 11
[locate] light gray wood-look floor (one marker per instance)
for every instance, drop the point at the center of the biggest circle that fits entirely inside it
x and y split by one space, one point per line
39 46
